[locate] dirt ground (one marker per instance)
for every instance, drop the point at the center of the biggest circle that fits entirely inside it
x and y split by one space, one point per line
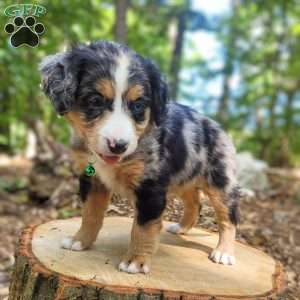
270 220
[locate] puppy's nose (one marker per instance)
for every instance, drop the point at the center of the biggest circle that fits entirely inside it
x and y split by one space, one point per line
117 146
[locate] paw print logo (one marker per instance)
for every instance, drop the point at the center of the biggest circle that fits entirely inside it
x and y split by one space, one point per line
24 32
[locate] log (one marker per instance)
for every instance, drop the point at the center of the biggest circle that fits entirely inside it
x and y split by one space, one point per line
180 269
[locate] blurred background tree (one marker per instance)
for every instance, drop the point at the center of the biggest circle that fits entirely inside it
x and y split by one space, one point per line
251 85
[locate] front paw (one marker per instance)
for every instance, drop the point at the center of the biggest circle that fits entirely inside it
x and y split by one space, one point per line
72 244
135 264
176 228
222 256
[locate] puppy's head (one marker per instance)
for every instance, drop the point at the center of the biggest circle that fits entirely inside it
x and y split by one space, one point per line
109 94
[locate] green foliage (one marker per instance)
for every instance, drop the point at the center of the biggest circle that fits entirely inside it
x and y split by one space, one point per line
269 64
260 43
66 23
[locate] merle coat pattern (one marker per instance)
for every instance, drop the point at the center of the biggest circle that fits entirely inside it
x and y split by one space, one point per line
145 148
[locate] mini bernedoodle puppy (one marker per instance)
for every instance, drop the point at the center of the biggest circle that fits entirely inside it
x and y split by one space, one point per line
142 147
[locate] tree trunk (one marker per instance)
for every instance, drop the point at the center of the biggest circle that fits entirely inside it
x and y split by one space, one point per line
285 159
5 120
177 54
272 106
180 269
121 7
223 108
289 114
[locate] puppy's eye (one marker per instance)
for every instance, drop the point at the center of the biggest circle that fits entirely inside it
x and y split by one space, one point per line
97 99
137 107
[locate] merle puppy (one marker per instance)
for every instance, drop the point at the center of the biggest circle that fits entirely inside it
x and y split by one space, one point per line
141 147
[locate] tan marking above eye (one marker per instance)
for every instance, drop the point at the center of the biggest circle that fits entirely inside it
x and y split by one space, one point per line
105 87
134 92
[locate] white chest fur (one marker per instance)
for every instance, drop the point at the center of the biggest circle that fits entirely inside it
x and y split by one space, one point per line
108 178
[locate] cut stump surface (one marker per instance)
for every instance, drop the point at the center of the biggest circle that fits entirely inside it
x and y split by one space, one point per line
180 269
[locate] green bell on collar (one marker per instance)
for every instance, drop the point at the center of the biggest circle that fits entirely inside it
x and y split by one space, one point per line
89 170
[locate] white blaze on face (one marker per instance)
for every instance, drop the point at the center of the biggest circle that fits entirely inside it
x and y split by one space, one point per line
119 125
121 78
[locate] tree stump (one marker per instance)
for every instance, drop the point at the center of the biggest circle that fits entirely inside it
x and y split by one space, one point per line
180 269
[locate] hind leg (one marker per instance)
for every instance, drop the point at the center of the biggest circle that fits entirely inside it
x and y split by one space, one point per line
192 207
226 208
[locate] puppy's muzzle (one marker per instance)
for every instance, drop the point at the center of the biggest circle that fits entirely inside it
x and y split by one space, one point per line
117 146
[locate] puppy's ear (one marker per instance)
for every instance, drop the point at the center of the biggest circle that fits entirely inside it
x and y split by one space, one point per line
159 92
58 81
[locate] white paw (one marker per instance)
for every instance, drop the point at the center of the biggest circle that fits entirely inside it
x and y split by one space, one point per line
175 228
71 244
222 257
133 267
